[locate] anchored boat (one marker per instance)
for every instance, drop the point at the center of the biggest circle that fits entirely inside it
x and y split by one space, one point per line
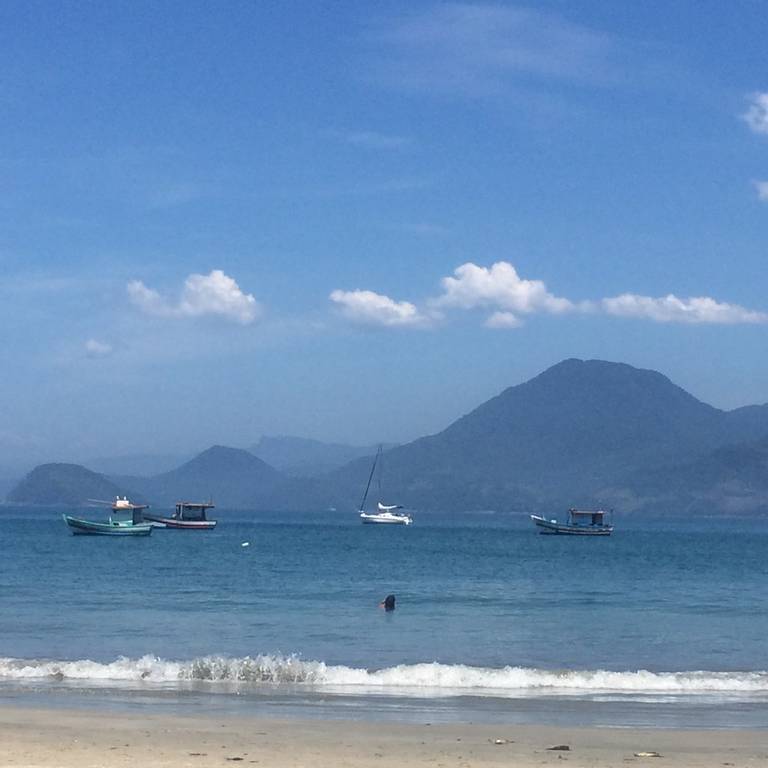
580 522
189 515
386 514
126 519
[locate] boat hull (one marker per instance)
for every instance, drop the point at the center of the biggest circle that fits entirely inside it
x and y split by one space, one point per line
553 528
189 525
81 527
385 518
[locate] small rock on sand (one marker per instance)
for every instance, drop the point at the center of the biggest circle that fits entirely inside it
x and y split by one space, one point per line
559 748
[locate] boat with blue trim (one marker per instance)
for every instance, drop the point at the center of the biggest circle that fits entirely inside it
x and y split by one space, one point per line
126 519
580 522
189 515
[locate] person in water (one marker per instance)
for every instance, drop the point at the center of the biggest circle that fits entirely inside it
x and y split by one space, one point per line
388 603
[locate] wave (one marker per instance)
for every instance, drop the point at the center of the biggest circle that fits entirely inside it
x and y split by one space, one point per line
425 678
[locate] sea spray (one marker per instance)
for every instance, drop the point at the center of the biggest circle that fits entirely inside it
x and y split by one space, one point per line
432 679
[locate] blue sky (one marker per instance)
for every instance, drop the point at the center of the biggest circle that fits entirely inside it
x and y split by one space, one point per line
356 222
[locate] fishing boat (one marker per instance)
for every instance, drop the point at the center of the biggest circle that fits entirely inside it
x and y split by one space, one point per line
385 514
126 519
580 522
189 515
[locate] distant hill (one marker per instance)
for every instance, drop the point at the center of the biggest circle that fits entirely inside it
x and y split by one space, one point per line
232 477
137 464
299 456
9 478
581 433
68 484
731 479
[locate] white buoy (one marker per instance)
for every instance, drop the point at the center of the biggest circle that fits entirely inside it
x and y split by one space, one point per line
246 544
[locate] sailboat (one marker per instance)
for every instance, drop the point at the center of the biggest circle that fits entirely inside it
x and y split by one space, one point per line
385 514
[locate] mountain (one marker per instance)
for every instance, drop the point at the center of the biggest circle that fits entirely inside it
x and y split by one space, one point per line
232 477
731 479
9 478
141 464
299 456
69 484
580 433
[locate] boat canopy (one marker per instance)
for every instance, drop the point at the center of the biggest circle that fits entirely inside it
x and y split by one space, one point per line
124 504
388 508
581 517
124 514
192 510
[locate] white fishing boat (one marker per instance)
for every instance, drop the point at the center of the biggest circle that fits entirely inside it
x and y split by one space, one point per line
385 514
580 522
189 515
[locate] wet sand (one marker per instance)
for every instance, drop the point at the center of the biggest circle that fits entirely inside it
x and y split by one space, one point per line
69 738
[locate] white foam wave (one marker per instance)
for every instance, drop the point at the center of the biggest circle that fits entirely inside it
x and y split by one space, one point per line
432 678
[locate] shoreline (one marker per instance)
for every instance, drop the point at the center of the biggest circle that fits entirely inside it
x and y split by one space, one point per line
77 737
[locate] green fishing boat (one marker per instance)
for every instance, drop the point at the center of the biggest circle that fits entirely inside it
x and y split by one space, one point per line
126 519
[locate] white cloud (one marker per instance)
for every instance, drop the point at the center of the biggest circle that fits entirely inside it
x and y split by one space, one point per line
217 294
510 298
170 195
94 348
375 140
499 287
503 320
372 308
756 115
762 190
671 309
147 299
213 294
365 187
480 49
424 229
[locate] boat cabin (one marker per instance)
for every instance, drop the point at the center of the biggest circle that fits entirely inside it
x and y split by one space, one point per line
132 515
192 510
125 512
585 517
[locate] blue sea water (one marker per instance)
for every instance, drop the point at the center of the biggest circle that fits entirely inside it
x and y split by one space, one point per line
664 623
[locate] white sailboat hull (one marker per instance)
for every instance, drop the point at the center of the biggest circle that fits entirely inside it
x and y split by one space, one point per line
385 518
386 514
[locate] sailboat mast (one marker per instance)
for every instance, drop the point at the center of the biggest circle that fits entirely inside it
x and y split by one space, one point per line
370 477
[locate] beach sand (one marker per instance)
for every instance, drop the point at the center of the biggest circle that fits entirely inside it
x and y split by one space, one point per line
63 738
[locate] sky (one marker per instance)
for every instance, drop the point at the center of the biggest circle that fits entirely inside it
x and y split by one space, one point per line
356 222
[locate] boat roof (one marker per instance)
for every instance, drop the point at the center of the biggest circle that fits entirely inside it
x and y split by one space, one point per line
196 504
587 511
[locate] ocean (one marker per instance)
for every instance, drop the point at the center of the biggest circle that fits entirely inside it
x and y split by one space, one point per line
663 624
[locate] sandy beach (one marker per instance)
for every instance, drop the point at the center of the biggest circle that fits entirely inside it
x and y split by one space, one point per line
82 738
